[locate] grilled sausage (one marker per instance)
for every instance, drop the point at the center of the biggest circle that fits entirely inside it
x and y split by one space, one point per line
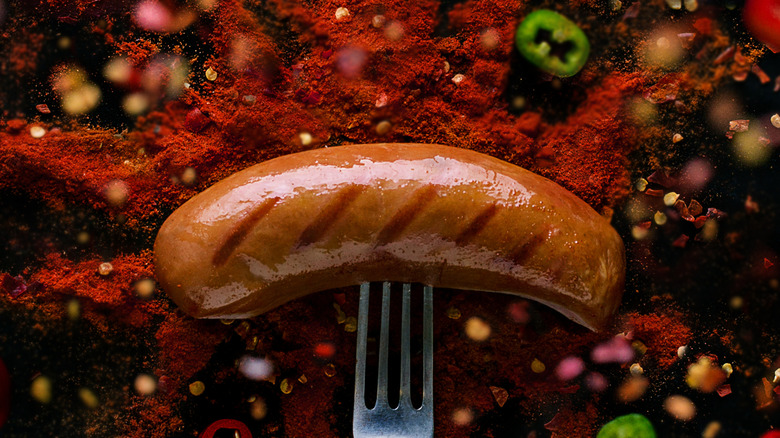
432 214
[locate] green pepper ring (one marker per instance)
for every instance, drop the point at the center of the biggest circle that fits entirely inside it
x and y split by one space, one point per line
561 30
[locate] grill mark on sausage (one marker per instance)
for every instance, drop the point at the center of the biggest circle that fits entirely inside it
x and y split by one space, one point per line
406 214
524 250
477 224
329 215
240 230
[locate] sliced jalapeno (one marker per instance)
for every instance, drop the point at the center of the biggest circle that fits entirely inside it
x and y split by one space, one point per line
552 42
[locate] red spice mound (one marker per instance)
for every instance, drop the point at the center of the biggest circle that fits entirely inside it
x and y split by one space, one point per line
662 332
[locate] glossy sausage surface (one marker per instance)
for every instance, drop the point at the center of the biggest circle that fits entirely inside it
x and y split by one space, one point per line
432 214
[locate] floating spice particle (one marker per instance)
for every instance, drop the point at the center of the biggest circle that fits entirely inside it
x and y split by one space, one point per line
116 193
739 125
462 416
691 5
777 376
736 302
727 368
453 313
477 329
303 378
682 351
641 184
659 218
330 370
37 131
632 389
350 324
73 309
639 347
700 221
712 430
89 398
394 31
654 192
695 208
537 366
227 321
145 288
43 108
197 388
768 263
681 241
249 99
775 120
636 369
680 407
40 389
259 409
724 390
670 198
638 232
145 384
674 4
458 78
501 395
105 268
189 176
286 386
305 138
378 21
676 138
383 127
709 231
342 13
211 74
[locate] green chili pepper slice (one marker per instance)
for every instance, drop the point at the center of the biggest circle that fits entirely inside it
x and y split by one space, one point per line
552 42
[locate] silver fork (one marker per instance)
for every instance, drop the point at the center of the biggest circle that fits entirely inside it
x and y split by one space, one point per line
404 420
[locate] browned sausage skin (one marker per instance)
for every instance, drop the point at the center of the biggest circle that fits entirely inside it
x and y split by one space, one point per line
432 214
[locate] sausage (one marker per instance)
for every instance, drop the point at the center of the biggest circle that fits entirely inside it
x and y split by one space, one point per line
432 214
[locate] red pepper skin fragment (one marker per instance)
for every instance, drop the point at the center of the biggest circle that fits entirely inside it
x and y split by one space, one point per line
762 18
226 423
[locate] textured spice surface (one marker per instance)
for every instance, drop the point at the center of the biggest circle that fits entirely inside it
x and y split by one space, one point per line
221 85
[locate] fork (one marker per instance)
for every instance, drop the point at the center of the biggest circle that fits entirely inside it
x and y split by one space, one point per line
404 420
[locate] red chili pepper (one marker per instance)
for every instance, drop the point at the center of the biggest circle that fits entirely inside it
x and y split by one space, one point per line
226 423
5 393
762 18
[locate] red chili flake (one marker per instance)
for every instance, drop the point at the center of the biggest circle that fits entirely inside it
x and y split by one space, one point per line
741 125
762 76
13 286
695 208
714 212
196 121
340 298
730 134
686 39
312 98
724 56
767 387
703 25
724 390
768 263
751 206
43 108
681 241
325 350
654 192
558 421
777 84
683 209
632 11
777 389
644 225
500 394
326 54
661 178
227 423
699 221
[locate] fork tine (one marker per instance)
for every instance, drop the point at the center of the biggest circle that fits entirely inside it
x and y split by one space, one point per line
405 397
384 338
362 337
428 348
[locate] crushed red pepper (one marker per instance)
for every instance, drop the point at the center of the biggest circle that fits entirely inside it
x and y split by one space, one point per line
305 84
